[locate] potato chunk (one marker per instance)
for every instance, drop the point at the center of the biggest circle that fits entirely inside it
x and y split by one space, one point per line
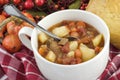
61 31
51 56
96 41
71 54
42 37
73 45
87 53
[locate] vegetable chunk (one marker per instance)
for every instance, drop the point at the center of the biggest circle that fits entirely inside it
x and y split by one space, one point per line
87 53
42 37
73 45
71 54
61 31
51 56
96 41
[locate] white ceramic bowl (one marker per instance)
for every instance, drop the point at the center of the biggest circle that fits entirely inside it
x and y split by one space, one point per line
89 70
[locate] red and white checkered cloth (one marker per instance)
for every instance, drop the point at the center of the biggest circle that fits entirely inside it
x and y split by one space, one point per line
22 66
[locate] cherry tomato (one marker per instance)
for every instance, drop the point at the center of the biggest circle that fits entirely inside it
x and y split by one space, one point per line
3 1
28 4
16 1
39 2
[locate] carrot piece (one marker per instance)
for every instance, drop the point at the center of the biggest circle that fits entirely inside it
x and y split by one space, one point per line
79 60
71 24
97 49
78 53
74 34
81 23
73 29
41 51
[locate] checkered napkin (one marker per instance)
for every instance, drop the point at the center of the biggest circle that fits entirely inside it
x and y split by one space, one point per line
22 66
19 66
112 71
